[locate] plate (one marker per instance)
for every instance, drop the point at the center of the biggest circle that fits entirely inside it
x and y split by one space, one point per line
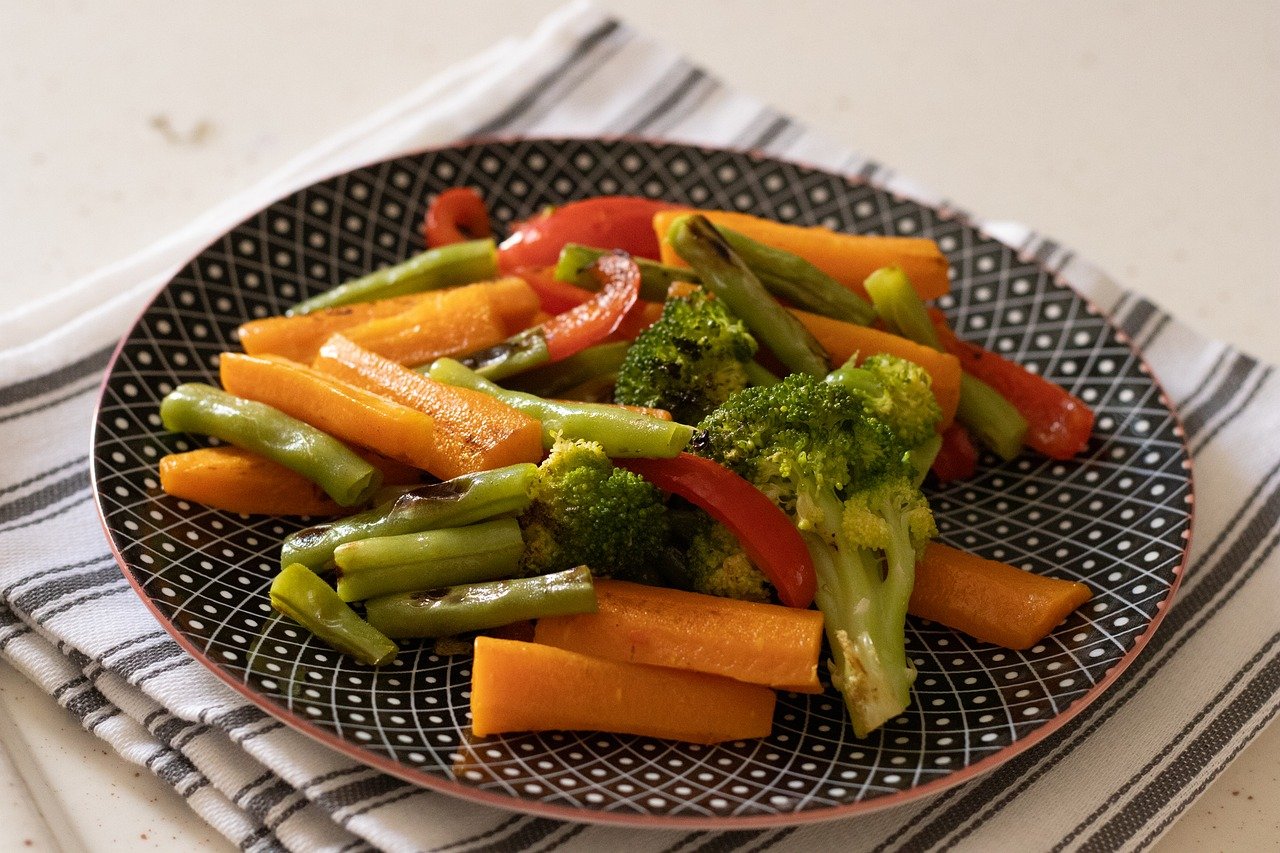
1117 518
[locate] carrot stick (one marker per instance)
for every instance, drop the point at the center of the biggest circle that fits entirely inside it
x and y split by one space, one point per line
758 643
848 258
843 340
345 411
450 322
989 600
238 480
474 431
298 336
519 687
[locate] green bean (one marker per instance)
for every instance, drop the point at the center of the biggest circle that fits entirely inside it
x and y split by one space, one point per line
445 266
991 418
620 432
725 274
318 456
384 565
790 277
758 374
521 352
300 594
553 379
575 263
475 607
463 500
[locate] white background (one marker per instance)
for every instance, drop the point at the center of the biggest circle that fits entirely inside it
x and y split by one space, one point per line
1144 135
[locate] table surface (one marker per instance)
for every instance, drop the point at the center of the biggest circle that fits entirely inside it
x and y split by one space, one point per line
1143 135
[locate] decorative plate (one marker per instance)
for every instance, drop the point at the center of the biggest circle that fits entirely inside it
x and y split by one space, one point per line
1117 518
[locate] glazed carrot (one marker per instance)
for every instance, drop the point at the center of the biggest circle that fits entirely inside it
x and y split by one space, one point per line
842 340
474 431
299 336
345 411
238 480
989 600
520 687
744 640
848 258
450 322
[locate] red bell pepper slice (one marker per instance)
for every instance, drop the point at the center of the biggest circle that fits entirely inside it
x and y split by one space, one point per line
554 295
766 533
606 222
1058 423
454 216
596 319
957 459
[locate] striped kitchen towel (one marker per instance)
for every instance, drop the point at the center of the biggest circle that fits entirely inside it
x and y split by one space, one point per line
1115 777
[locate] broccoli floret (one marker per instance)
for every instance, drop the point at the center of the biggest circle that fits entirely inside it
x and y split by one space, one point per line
709 559
689 361
899 393
586 511
824 456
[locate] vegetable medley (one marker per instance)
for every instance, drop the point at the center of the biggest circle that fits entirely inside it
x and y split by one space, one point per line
639 459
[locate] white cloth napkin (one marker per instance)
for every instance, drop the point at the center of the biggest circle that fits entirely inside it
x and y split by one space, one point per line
1115 777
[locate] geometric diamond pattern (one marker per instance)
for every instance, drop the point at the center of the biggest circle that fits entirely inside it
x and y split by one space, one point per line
1116 518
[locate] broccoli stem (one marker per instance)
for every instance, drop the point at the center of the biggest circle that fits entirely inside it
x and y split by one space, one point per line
575 262
863 598
446 266
991 418
475 607
725 274
791 277
385 565
620 432
306 599
590 363
462 500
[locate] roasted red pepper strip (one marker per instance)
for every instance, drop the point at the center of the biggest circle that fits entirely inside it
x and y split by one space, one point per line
1058 423
454 216
556 296
596 319
609 222
767 535
957 459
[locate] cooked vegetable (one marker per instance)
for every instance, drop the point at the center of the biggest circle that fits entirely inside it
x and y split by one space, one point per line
599 362
344 410
298 337
447 611
306 599
1058 423
847 258
450 322
385 565
957 458
766 535
574 265
456 215
756 643
459 263
706 557
987 415
844 341
587 511
617 222
453 503
724 274
989 600
474 431
237 480
269 432
842 476
689 361
518 687
569 332
621 432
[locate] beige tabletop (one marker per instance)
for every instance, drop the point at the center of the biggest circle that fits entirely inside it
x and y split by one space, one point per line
1144 135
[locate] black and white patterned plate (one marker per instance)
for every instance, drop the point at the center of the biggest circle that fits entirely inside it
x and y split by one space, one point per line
1117 518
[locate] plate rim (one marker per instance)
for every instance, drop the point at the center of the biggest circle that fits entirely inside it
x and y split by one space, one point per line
452 787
